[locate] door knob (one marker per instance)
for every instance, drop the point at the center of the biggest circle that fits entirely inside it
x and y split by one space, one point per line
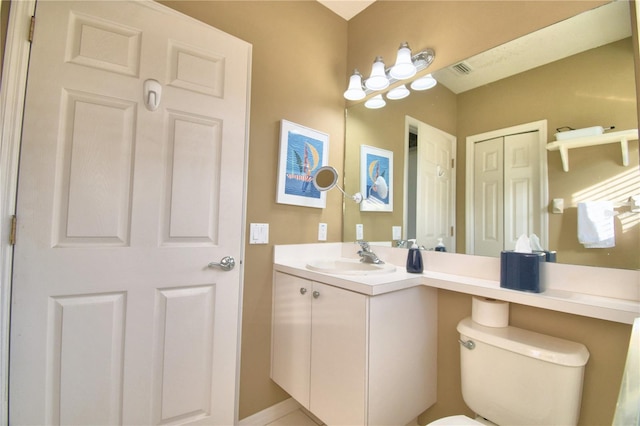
316 294
227 263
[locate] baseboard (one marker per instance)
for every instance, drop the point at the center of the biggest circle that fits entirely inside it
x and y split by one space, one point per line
270 414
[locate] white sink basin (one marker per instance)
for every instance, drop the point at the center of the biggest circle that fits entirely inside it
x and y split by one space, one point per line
349 267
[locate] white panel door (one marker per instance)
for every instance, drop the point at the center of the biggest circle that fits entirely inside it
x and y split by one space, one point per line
507 192
522 189
116 318
435 186
435 191
488 197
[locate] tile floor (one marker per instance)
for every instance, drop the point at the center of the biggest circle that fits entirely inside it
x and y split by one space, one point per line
295 418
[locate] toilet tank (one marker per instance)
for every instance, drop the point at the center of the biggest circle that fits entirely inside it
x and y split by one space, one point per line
515 376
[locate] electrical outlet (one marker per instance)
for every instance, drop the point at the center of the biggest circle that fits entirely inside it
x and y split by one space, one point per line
359 231
322 232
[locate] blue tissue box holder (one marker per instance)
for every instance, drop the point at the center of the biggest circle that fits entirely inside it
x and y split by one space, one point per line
549 256
521 271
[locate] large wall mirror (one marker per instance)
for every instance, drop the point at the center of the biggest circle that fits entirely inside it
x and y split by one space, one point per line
594 87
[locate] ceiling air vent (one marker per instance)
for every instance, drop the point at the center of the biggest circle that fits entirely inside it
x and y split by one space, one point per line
462 68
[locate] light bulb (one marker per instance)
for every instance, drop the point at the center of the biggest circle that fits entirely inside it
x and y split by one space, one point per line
354 92
375 102
424 83
399 92
378 79
404 67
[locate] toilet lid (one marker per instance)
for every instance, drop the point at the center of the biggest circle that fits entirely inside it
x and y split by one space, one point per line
459 420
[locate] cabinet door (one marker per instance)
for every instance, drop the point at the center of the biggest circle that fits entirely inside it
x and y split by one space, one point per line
291 335
338 355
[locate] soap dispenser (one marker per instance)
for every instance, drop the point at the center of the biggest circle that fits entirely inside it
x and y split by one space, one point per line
440 246
414 259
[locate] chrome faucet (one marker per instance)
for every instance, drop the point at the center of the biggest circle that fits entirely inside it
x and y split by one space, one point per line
366 255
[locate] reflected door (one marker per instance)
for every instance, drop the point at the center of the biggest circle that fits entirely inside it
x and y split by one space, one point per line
431 174
116 318
507 192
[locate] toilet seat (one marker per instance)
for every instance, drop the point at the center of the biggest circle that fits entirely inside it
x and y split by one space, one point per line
458 420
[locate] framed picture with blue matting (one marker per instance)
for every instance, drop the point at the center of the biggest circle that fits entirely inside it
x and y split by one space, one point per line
376 179
302 152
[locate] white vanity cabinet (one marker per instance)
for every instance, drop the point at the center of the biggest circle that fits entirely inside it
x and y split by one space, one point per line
354 359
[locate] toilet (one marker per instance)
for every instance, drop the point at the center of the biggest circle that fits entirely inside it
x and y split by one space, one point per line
513 376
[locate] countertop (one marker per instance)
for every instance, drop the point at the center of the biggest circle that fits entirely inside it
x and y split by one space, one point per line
609 294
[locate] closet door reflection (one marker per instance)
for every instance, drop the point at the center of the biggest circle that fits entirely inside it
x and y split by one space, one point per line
507 192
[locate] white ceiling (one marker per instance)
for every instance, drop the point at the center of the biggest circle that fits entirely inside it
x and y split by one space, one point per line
346 8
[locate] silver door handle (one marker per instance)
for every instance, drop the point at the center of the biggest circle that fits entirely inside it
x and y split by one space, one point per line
227 263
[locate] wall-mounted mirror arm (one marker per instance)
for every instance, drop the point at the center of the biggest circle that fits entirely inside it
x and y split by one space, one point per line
327 177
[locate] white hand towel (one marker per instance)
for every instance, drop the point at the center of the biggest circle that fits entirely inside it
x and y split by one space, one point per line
595 224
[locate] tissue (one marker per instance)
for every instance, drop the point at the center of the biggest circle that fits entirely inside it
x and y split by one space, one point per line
535 243
523 245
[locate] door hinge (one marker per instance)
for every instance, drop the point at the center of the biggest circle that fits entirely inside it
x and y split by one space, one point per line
453 163
31 28
451 232
12 233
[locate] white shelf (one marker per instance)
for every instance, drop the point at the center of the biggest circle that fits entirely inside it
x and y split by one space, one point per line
622 137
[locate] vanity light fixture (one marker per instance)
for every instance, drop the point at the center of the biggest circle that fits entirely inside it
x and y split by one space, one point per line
375 103
406 66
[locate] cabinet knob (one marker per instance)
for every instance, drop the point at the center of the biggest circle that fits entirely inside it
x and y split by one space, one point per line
316 294
303 290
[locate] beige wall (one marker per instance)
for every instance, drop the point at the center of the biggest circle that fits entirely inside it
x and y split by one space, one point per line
301 57
635 23
300 69
456 30
298 74
596 87
607 343
384 128
4 21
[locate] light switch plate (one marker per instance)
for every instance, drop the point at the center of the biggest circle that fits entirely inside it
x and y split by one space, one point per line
259 233
322 232
396 233
359 231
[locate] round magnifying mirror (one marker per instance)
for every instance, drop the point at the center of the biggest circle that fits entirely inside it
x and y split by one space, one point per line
325 178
